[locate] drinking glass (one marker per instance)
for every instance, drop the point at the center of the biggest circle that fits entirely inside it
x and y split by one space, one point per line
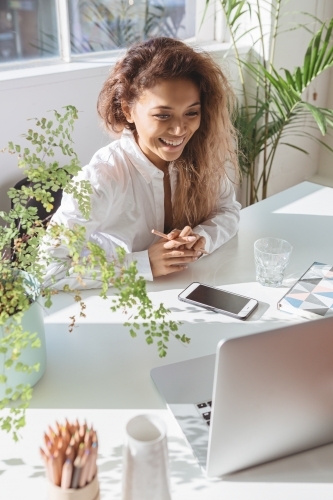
271 257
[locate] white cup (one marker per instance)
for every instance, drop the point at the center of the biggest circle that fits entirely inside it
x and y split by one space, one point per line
145 460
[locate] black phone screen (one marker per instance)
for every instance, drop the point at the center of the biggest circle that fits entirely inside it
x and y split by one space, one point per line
218 299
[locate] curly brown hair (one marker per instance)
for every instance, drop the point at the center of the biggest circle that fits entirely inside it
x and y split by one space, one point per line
202 164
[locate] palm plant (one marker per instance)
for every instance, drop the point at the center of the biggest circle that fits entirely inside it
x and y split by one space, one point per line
272 106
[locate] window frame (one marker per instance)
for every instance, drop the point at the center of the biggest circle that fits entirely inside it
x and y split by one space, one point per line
207 31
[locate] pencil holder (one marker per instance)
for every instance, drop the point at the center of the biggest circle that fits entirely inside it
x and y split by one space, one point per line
89 492
145 460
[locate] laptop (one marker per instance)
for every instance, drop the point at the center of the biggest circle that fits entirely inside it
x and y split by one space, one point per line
261 397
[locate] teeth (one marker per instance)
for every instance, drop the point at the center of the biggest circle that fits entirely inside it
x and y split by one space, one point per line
172 143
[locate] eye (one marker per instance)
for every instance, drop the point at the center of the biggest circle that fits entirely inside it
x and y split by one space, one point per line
193 113
162 117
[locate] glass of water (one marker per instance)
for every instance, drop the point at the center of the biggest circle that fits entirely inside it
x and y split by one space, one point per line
271 256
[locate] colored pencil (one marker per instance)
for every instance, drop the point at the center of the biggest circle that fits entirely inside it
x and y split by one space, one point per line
66 474
70 454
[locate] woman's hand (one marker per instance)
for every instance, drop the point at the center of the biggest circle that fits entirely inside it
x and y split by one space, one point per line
172 256
178 237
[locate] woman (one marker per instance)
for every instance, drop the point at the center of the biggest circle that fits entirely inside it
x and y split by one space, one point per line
167 171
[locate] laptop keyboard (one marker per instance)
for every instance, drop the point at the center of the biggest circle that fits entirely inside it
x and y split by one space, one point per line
205 410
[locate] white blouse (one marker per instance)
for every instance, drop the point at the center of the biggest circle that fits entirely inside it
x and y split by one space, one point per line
126 204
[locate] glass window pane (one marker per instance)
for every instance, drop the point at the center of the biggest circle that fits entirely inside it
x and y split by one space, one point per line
28 29
110 24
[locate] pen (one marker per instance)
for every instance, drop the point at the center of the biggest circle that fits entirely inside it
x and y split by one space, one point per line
162 235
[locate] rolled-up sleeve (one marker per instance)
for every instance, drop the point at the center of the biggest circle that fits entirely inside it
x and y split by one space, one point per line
223 224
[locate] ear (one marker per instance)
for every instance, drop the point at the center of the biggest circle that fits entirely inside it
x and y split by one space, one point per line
127 111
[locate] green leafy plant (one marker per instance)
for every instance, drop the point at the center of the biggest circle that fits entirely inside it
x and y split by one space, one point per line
24 258
272 105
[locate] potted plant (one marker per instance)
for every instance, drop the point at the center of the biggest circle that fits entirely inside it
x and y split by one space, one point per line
272 105
23 264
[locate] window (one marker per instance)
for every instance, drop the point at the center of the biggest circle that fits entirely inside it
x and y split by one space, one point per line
111 24
40 29
28 29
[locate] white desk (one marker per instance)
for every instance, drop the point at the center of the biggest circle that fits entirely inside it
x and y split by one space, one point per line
99 366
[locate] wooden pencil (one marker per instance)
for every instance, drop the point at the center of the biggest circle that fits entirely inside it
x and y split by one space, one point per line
76 472
70 454
92 463
66 474
84 472
162 235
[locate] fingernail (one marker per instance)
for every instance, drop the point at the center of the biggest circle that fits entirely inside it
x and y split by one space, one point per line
198 254
191 238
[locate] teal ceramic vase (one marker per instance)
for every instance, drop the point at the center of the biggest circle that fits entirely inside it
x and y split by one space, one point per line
33 322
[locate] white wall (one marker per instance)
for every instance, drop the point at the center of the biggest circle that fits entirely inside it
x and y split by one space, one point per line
291 166
325 171
23 97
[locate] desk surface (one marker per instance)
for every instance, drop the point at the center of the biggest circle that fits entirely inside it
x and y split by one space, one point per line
99 366
104 367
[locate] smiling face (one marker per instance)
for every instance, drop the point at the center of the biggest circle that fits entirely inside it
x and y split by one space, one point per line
166 117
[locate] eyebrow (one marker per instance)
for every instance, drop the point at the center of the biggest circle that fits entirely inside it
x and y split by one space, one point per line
169 107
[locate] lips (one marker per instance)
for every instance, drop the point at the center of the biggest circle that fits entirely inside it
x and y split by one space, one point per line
172 143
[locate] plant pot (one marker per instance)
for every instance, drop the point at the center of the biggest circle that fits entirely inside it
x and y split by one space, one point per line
89 492
33 322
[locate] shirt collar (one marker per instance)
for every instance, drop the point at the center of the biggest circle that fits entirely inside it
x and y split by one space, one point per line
131 149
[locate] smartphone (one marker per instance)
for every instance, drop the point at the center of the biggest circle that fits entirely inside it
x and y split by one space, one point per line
218 300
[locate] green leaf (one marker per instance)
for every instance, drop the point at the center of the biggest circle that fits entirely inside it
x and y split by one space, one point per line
294 146
322 52
36 343
299 79
314 53
290 79
318 116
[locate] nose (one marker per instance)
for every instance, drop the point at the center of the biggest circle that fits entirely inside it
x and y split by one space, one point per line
178 126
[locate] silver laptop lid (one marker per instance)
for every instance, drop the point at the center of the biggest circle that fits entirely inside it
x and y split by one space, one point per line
273 396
